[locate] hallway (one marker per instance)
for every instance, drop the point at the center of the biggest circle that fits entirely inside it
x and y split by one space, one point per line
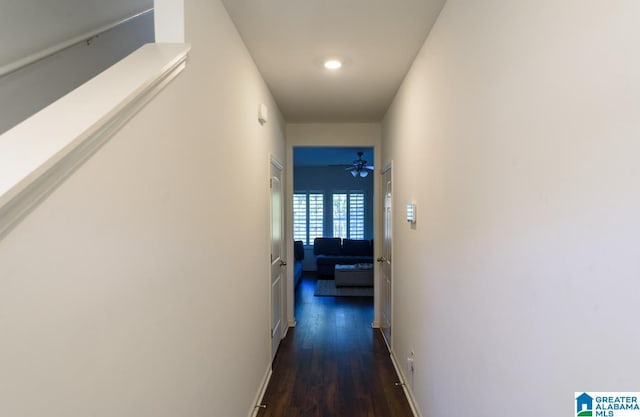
136 221
333 364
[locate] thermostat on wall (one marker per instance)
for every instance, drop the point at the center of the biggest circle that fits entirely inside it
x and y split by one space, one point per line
411 212
263 114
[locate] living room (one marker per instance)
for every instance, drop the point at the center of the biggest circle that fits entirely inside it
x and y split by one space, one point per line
333 200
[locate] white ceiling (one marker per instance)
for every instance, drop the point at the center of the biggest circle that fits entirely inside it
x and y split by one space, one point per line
376 39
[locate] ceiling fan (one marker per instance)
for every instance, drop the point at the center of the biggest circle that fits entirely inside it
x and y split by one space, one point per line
360 167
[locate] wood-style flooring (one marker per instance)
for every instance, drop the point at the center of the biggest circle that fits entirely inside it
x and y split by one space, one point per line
333 364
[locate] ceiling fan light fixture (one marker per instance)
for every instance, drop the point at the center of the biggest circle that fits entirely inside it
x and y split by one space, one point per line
360 167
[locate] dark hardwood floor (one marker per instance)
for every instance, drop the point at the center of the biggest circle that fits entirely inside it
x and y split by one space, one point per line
333 364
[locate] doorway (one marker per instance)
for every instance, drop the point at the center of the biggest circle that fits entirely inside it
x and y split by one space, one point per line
333 197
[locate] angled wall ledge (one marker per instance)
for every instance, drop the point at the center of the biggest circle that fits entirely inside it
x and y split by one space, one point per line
39 153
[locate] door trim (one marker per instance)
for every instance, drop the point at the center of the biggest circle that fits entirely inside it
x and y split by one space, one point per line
279 330
388 168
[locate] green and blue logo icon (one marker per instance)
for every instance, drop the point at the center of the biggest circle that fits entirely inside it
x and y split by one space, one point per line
584 405
607 404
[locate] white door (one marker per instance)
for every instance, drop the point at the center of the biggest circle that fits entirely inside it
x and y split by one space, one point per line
385 260
277 263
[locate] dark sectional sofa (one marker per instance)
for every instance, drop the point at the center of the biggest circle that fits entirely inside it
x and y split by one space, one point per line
298 254
331 251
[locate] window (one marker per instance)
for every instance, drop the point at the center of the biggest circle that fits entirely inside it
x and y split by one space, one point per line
300 217
348 215
356 216
308 215
345 216
316 215
340 215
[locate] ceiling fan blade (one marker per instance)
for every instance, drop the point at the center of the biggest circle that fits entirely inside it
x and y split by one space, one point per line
370 167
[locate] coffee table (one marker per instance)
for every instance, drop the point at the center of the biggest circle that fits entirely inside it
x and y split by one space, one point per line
358 275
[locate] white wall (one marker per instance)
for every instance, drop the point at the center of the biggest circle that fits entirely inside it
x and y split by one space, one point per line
516 132
26 91
29 26
169 21
330 134
140 287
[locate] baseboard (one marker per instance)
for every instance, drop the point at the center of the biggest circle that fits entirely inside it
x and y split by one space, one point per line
408 392
387 342
261 391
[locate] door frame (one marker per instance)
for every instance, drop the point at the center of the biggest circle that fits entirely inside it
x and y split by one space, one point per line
275 163
332 141
383 171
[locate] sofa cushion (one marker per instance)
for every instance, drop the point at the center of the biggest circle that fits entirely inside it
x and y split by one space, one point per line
343 260
298 250
297 272
326 246
352 247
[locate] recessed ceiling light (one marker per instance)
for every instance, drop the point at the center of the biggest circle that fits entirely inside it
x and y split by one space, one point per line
332 64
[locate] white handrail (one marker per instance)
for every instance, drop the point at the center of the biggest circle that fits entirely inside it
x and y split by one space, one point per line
45 53
37 155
